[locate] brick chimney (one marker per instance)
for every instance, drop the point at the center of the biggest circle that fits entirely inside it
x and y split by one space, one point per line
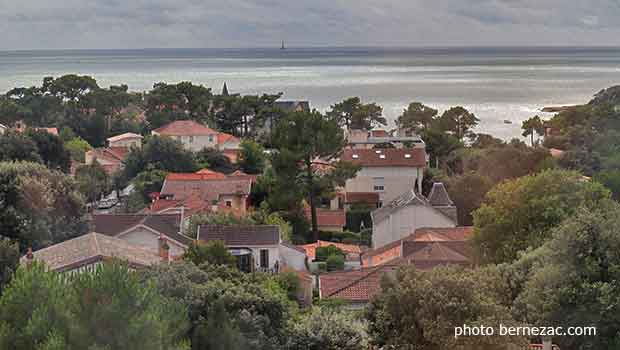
164 248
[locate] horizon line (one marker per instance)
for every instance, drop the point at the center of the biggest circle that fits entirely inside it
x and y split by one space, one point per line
342 47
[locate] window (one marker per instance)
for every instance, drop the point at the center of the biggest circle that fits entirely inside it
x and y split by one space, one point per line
378 184
191 139
264 258
210 138
229 204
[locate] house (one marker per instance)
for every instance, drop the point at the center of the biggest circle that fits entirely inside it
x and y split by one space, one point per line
389 172
355 287
127 140
20 126
352 252
144 230
369 139
256 247
394 250
195 136
204 191
110 158
411 211
86 252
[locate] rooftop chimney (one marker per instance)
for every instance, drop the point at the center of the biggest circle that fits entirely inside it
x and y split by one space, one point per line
164 248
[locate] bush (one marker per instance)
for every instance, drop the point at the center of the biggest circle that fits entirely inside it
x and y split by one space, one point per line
214 252
322 253
335 263
339 237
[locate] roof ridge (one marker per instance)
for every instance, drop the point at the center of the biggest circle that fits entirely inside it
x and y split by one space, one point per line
373 270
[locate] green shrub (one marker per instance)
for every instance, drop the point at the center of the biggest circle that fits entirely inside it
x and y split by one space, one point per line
335 263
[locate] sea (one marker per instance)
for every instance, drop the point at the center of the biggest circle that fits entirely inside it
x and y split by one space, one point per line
502 86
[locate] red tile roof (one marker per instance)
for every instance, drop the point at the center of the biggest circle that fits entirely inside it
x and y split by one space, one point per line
361 197
185 128
210 174
326 217
356 286
224 137
240 235
392 250
389 157
379 133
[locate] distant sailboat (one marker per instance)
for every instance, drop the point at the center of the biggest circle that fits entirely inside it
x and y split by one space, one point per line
282 47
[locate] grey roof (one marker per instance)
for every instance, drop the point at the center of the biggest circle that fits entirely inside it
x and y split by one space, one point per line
91 248
407 198
114 224
240 235
439 196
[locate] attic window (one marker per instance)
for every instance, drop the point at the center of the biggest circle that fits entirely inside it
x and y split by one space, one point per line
382 156
407 155
355 156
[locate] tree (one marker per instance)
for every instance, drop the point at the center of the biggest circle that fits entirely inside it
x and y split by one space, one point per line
519 214
77 148
114 310
439 144
458 121
487 141
38 206
219 331
34 309
9 260
531 126
572 279
467 191
252 157
149 181
170 102
92 181
51 149
611 180
161 153
214 252
69 87
301 139
416 117
18 147
353 114
327 329
420 309
215 160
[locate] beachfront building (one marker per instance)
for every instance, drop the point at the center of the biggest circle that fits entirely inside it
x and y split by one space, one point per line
389 172
411 211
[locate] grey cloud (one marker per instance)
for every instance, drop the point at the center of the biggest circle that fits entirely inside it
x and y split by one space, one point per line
241 23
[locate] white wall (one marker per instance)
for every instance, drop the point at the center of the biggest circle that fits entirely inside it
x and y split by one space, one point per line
405 221
274 255
127 143
146 238
293 258
196 143
397 180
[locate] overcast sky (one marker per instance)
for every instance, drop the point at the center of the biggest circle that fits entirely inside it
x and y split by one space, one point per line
55 24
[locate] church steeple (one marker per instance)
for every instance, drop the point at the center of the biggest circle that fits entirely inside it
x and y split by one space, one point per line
225 90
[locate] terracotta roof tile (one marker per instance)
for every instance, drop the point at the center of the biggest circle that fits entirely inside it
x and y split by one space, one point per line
356 286
326 217
182 186
361 197
185 128
224 137
389 157
115 224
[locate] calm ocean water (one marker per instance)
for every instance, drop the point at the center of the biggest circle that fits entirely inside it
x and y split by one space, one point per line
497 84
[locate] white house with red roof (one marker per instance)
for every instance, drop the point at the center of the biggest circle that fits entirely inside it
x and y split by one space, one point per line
127 139
388 172
195 136
110 158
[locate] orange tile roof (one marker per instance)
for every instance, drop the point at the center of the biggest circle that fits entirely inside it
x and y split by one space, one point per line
356 286
362 197
326 217
185 128
347 248
389 157
210 174
224 137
